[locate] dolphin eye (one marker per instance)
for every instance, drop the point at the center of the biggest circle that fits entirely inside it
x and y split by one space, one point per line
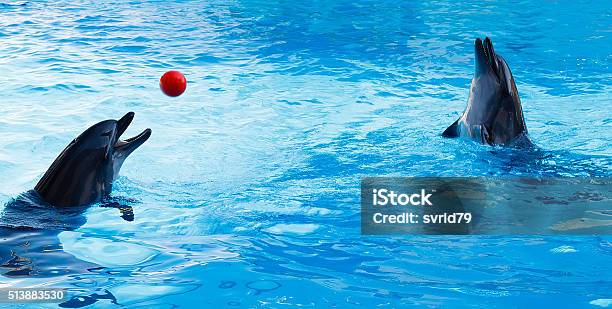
107 133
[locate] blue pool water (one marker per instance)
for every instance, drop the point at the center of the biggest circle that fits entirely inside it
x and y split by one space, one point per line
247 193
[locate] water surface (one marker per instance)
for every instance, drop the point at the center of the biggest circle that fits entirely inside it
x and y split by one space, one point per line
247 193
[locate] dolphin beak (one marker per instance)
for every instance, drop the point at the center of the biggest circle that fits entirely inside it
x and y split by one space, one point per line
481 60
124 123
485 56
488 47
127 146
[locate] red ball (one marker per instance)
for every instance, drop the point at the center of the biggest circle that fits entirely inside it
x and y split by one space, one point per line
173 83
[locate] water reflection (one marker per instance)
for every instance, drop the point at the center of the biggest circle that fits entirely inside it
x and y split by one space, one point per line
29 229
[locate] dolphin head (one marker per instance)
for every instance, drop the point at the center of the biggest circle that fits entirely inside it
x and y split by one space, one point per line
84 171
494 103
490 66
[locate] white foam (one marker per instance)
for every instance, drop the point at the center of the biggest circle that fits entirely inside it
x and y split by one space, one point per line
602 302
563 249
299 229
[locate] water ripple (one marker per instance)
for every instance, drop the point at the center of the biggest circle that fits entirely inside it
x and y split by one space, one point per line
247 192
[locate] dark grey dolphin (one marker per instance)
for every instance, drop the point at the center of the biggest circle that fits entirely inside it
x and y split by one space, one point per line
84 172
493 114
81 175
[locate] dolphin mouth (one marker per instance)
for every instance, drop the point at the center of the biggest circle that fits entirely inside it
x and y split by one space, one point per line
130 144
486 59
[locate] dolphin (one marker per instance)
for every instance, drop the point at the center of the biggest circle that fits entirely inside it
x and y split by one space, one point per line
84 172
493 115
81 175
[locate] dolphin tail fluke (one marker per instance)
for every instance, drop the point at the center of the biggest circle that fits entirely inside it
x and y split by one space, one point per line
452 131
